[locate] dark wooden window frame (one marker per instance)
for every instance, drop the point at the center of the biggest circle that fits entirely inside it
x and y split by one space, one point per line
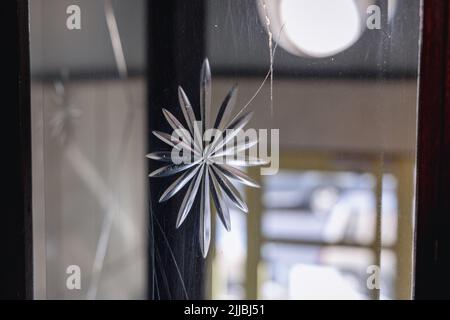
16 262
175 258
433 161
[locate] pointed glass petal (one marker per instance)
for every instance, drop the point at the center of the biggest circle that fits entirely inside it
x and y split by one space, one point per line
189 198
219 201
165 156
172 169
176 125
178 184
205 215
187 110
167 138
205 94
228 188
237 175
172 120
245 161
226 109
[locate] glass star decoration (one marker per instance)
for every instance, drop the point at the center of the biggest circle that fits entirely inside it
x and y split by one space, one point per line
207 167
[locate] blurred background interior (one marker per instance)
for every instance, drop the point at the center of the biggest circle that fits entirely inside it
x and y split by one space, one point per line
343 97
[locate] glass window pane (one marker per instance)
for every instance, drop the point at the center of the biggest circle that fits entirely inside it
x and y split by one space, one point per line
320 187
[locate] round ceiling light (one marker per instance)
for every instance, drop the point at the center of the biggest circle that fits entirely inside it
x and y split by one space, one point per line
315 28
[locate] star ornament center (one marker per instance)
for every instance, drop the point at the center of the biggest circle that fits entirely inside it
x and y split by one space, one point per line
206 155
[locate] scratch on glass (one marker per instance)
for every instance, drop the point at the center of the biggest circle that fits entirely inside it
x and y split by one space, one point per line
271 51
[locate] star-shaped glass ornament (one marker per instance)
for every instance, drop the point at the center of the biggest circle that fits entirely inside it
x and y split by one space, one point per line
207 166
